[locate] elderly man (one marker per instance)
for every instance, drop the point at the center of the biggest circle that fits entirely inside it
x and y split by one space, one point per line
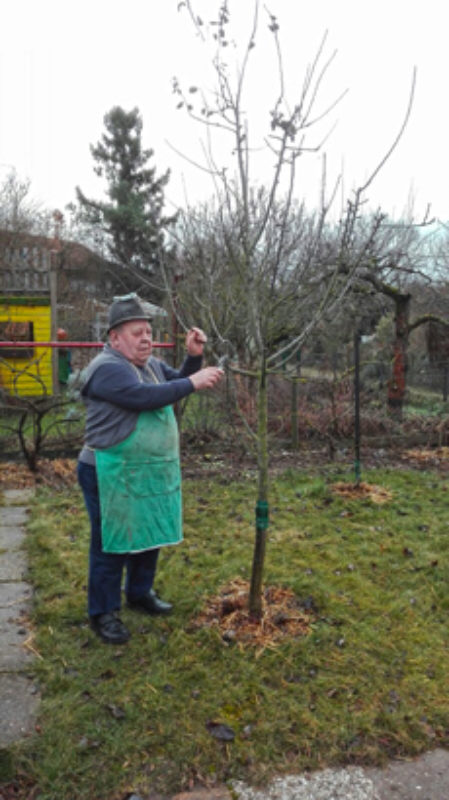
129 466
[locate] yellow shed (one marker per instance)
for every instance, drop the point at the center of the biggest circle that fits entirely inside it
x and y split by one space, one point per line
25 371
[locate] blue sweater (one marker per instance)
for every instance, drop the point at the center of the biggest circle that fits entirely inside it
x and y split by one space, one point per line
116 391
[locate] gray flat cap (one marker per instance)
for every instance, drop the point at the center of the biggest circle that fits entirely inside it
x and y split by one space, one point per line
127 308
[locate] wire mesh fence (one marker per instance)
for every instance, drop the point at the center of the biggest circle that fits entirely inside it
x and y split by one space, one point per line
312 401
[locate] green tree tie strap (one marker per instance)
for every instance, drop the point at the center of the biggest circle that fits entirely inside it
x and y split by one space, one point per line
261 515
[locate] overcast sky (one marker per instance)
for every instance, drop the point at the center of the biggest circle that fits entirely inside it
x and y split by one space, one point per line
64 64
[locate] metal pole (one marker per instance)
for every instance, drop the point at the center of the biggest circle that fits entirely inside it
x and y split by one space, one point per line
445 381
357 406
294 413
54 318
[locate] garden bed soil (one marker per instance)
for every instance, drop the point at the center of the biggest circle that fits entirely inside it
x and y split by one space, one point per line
232 464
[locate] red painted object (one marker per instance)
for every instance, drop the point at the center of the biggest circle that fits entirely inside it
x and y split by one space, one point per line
71 344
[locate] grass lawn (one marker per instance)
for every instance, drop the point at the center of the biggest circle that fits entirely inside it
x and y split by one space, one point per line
369 681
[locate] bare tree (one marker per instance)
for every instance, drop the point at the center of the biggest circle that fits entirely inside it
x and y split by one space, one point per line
19 213
397 268
259 266
34 420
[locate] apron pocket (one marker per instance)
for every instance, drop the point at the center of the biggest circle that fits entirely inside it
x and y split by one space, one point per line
151 478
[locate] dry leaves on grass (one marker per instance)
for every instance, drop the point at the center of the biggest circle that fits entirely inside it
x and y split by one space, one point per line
362 491
282 615
426 456
57 473
15 476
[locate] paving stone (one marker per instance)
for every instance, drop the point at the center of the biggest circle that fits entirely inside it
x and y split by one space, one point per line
18 496
19 699
423 778
12 537
13 515
14 632
13 566
328 784
19 703
15 595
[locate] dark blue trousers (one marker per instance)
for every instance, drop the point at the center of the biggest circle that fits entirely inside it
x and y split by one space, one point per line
106 569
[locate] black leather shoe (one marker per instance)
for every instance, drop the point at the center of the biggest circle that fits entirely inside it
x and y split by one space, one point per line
110 628
150 603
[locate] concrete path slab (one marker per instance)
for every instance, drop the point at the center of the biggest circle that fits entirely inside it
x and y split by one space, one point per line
17 496
329 784
11 538
13 566
13 515
14 636
19 700
19 697
422 778
15 595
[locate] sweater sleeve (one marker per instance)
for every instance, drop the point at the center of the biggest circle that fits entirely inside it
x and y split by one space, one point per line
119 385
190 365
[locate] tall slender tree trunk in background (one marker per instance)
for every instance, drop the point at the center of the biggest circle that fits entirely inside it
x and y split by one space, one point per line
398 381
255 594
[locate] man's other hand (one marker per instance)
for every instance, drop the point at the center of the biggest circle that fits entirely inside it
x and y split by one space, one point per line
195 341
206 378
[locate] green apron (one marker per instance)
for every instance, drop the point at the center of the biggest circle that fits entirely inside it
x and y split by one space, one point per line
139 483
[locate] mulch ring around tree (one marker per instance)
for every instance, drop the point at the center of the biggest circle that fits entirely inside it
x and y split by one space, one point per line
56 473
283 615
362 491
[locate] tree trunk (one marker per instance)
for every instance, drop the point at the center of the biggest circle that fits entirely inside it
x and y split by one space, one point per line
398 381
255 594
29 452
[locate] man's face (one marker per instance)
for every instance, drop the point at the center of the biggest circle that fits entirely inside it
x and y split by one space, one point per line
133 340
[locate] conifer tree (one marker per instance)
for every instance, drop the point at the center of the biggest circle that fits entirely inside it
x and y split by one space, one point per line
132 215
